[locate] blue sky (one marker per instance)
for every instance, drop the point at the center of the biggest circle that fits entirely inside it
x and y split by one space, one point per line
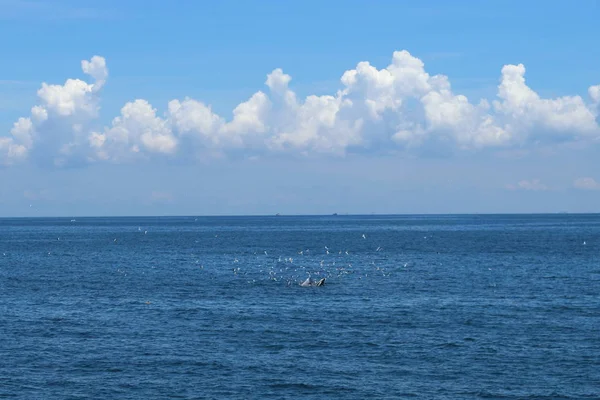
390 136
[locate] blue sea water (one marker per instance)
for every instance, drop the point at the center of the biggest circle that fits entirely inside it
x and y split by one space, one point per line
423 307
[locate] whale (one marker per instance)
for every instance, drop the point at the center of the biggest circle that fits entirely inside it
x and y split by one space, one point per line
310 282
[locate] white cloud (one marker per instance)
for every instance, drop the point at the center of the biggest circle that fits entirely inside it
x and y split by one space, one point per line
96 68
532 185
399 107
11 152
57 127
594 92
191 117
75 96
527 115
136 131
249 119
586 184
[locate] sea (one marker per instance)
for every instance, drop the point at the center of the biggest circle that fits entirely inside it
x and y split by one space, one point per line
413 307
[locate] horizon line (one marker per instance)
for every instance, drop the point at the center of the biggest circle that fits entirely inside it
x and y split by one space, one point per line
303 215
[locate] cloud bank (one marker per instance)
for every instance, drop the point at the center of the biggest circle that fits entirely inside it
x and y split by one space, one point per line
531 185
586 183
400 108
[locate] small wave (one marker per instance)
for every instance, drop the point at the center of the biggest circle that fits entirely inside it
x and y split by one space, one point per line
550 396
275 347
449 345
295 386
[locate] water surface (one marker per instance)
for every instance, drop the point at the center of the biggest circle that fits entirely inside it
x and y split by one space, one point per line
444 307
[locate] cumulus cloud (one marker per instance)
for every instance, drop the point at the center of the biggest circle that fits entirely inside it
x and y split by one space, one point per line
594 92
586 184
57 128
137 131
528 116
11 152
397 108
532 185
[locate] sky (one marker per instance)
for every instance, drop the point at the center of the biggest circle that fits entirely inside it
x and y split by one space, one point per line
150 107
